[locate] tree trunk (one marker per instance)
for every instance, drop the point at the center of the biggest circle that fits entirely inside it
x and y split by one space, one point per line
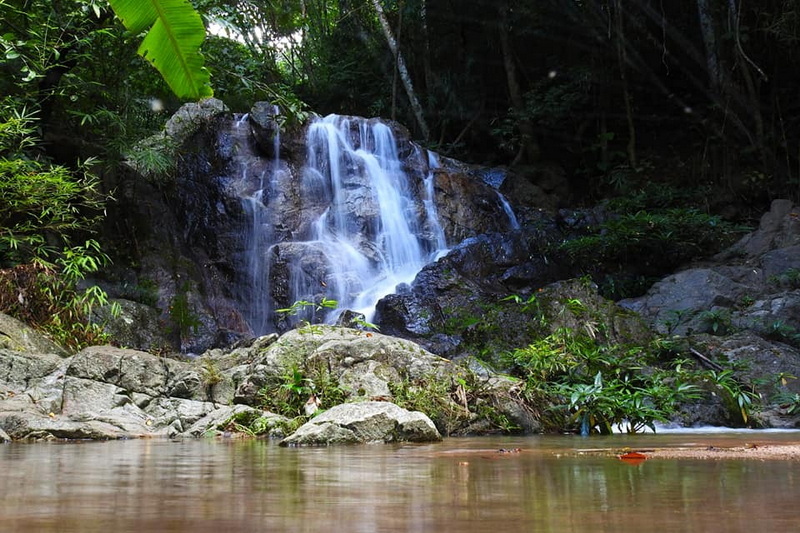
529 149
402 71
622 61
709 33
426 48
399 42
754 104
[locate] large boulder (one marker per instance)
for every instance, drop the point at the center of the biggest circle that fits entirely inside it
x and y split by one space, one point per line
133 325
364 363
751 285
15 335
369 366
364 422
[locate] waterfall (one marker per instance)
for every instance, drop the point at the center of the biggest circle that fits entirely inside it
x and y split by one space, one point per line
512 218
432 217
368 236
350 227
256 181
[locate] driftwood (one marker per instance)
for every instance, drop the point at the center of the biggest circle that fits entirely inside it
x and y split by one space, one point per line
705 361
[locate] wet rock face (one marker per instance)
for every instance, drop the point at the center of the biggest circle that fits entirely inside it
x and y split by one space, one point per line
450 297
467 207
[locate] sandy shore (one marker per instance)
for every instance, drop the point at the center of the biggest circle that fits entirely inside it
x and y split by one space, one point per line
784 452
748 451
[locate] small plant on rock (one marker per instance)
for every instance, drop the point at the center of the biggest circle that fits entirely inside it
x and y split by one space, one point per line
309 310
716 321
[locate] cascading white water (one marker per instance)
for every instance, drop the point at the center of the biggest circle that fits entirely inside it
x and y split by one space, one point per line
257 183
512 218
369 233
432 216
350 228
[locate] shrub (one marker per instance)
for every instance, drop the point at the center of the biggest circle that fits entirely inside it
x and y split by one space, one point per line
47 213
593 388
645 244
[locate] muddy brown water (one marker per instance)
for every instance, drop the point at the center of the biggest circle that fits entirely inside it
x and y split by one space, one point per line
552 484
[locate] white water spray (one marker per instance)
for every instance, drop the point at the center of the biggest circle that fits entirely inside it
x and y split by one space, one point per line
368 235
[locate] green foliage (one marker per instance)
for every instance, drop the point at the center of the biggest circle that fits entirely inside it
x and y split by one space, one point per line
716 321
16 130
40 296
43 210
597 387
738 397
209 372
363 324
42 206
545 358
451 403
551 104
309 311
789 402
175 32
155 158
288 394
183 318
677 317
484 327
646 243
431 395
781 331
634 403
252 424
789 279
530 306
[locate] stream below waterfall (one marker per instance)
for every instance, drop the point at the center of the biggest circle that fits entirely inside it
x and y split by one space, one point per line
463 485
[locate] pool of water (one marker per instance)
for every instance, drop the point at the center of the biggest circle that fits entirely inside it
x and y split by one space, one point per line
463 485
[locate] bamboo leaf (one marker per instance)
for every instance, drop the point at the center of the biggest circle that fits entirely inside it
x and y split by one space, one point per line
175 32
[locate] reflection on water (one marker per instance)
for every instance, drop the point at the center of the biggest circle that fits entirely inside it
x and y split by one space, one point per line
461 485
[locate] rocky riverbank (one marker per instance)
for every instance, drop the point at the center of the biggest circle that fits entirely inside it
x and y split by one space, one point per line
104 392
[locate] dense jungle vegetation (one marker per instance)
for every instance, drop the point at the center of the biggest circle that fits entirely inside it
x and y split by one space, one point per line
667 108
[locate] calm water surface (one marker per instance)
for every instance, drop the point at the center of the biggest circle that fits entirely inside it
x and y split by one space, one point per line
461 485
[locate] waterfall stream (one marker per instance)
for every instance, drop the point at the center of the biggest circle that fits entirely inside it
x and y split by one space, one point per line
257 181
369 234
367 225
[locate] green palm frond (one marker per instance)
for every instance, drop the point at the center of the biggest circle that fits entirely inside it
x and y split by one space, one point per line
175 32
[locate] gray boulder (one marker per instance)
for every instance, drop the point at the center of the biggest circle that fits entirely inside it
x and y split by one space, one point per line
14 335
778 228
136 326
365 422
364 363
190 117
748 286
372 366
